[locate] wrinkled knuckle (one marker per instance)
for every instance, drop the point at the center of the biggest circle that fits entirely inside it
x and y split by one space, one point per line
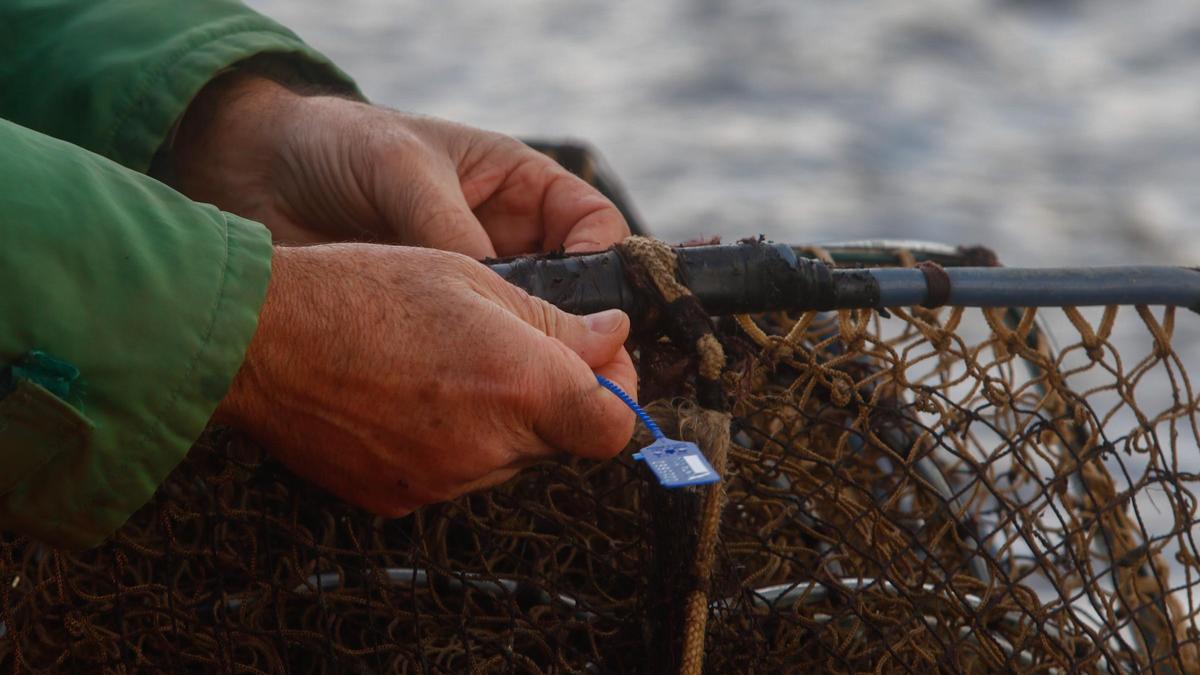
549 317
446 221
450 264
496 142
395 138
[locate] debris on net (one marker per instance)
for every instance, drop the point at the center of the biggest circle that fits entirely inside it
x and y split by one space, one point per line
927 489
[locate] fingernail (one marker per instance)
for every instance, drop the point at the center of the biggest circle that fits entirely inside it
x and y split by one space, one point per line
604 322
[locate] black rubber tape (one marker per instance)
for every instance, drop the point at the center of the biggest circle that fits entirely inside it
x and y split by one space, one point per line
756 276
746 277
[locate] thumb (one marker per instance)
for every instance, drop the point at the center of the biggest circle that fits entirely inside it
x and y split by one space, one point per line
578 415
574 412
603 336
596 338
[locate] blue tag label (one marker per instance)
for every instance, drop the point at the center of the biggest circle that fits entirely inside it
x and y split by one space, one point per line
677 464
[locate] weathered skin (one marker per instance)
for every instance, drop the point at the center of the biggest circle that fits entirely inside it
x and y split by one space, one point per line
392 375
396 376
321 168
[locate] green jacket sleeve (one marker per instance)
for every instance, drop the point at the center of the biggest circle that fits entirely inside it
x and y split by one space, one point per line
114 76
151 298
125 308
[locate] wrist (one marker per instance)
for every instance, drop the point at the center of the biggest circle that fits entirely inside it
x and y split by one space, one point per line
230 136
241 403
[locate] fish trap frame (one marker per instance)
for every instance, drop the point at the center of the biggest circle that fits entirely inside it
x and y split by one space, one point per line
905 488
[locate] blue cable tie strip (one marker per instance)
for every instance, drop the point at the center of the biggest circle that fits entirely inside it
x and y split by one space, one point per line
676 464
628 400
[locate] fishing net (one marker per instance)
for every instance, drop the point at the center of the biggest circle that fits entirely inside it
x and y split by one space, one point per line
908 490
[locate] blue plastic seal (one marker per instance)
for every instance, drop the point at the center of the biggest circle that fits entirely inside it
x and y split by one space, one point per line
676 464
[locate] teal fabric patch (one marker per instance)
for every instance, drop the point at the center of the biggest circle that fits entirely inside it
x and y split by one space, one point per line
57 376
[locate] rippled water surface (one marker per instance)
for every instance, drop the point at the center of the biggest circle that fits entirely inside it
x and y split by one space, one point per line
1052 131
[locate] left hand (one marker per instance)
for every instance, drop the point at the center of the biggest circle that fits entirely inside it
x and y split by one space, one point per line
318 169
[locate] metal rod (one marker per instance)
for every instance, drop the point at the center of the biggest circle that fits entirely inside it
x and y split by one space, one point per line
1050 287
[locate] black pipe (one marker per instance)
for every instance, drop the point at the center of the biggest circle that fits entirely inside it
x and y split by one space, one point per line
727 279
756 276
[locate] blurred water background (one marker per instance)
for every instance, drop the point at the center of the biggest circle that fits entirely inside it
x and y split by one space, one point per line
1053 131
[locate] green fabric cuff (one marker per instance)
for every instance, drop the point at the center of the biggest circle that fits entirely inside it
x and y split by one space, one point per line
142 128
78 492
114 76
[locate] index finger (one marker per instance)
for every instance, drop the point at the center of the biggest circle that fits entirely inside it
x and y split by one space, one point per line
577 217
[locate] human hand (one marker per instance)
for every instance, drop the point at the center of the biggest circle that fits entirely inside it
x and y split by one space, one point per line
319 169
395 377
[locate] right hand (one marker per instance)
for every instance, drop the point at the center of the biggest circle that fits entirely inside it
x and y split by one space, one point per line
395 377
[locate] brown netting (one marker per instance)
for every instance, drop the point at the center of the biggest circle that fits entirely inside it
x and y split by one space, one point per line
926 490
